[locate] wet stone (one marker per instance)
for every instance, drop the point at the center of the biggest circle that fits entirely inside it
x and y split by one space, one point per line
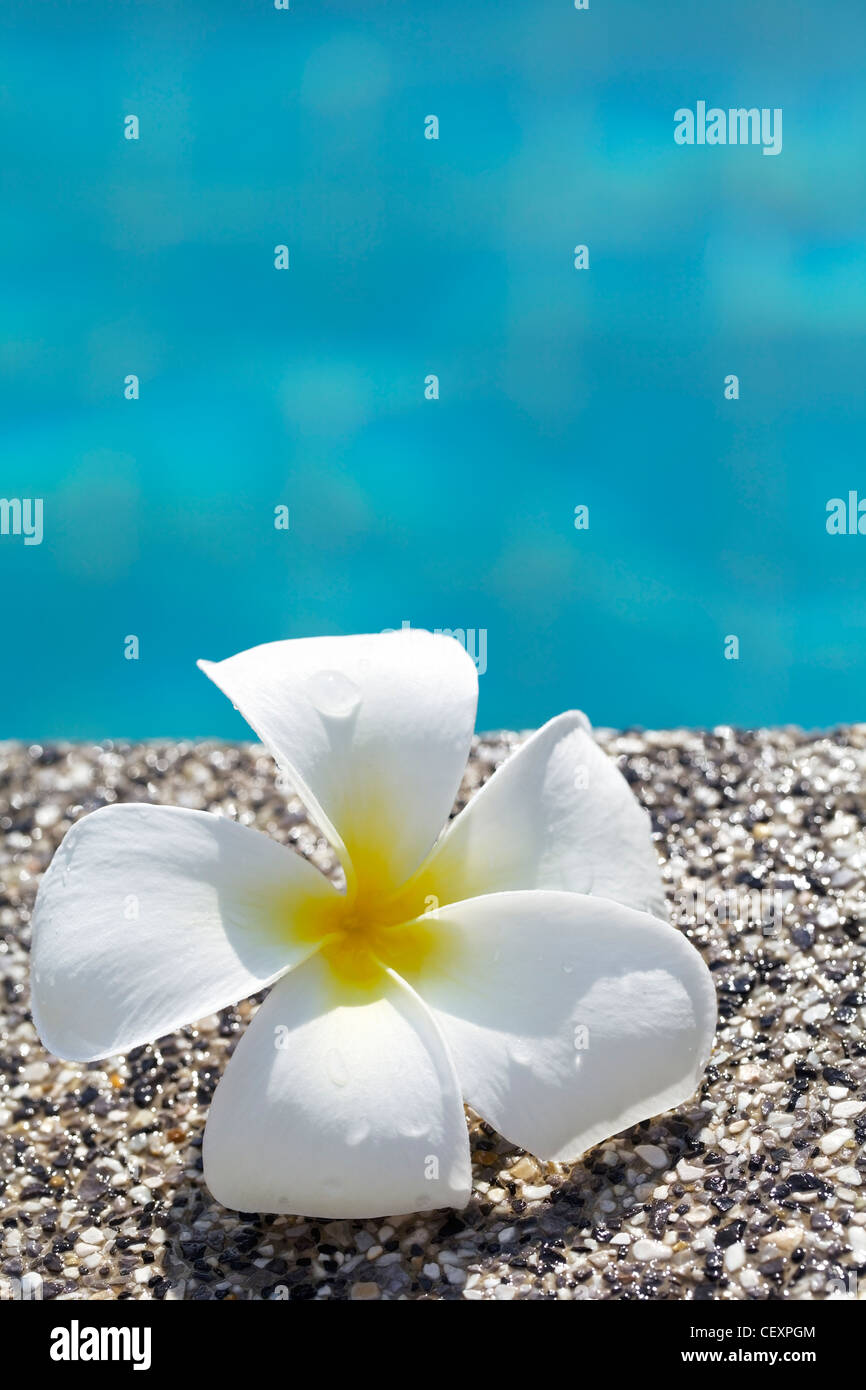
761 836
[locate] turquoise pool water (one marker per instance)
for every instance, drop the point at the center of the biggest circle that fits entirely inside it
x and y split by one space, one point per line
409 257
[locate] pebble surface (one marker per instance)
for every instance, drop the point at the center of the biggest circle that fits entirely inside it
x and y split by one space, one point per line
752 1190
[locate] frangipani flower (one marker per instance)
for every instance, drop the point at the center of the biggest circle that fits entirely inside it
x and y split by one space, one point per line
517 961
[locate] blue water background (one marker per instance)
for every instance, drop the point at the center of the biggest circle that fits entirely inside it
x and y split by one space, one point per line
410 257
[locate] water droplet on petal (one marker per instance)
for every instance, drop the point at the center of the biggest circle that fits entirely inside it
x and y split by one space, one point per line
334 694
335 1066
358 1132
520 1054
66 860
413 1129
568 969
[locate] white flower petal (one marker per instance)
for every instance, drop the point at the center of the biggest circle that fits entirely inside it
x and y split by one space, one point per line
338 1109
569 1017
150 917
557 814
374 731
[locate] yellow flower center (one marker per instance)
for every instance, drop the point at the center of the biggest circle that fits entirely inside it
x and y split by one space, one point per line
362 946
363 934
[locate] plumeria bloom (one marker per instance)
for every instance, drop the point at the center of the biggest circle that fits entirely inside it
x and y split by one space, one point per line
518 961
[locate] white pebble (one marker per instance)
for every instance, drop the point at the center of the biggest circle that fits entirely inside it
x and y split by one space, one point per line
857 1241
143 1120
698 1216
848 1109
851 1176
735 1257
786 1239
651 1250
834 1141
686 1172
652 1155
816 1013
35 1071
